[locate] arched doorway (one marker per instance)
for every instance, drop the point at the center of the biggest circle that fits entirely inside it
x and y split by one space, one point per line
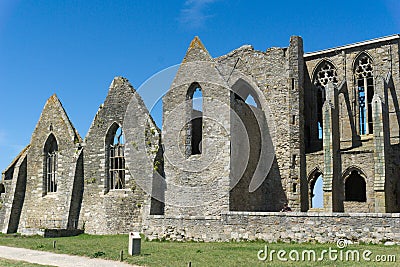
355 191
355 187
248 124
316 194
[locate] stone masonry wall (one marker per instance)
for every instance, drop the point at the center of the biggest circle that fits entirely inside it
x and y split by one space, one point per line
111 211
15 194
43 209
274 227
198 184
274 78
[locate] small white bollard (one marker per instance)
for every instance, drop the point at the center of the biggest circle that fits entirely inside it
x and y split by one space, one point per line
134 243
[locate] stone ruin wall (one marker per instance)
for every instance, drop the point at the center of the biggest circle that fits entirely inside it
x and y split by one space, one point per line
277 227
356 152
43 209
105 210
277 73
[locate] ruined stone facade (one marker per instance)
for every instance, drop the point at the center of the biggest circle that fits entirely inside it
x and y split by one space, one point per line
242 134
110 205
360 122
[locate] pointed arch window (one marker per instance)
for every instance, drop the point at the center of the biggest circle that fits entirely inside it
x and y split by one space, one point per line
245 93
325 72
315 184
364 79
194 128
115 144
317 195
50 164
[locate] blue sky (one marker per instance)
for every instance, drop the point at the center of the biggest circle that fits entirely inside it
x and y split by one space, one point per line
75 48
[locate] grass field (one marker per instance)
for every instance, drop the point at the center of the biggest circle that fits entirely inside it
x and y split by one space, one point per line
13 263
204 254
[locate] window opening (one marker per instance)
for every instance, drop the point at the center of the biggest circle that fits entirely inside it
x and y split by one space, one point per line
365 92
117 161
317 195
194 128
325 73
50 154
355 188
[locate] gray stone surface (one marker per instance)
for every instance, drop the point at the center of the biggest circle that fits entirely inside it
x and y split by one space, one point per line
278 226
14 199
42 209
106 210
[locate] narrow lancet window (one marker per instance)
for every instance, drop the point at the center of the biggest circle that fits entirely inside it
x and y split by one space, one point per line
195 125
50 162
365 92
116 159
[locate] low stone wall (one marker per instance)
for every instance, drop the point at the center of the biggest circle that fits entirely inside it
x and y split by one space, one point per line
275 226
358 206
62 232
52 232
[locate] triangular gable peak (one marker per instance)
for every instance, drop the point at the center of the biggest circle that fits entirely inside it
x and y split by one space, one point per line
119 96
196 52
52 114
113 108
197 66
120 86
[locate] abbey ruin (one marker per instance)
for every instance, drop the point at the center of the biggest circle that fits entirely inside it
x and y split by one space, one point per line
242 134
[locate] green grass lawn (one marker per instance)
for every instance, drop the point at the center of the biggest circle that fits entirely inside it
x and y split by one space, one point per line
13 263
199 254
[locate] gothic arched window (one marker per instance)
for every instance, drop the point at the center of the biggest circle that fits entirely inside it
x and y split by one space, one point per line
324 73
50 165
317 194
115 162
194 126
364 79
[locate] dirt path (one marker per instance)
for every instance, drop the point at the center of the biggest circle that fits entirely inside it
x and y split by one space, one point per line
62 260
